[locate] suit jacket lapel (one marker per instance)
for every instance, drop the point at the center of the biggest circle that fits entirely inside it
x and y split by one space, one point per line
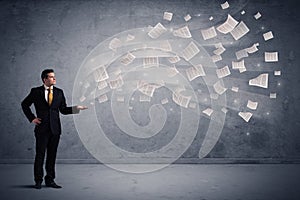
42 96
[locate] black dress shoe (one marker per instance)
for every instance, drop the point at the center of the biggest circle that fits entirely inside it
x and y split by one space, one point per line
38 185
53 185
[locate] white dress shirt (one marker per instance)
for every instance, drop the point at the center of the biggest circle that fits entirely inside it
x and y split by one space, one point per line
46 91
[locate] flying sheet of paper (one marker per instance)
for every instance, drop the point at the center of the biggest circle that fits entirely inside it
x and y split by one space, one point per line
82 98
150 62
208 111
228 25
145 98
220 49
125 60
245 115
271 56
183 32
172 71
235 89
253 48
252 104
241 54
114 44
180 99
164 101
214 96
223 72
209 33
101 85
260 81
130 37
219 45
241 70
257 15
224 110
225 5
190 51
200 69
238 64
103 98
147 89
117 83
219 88
157 31
141 84
239 31
277 73
193 73
174 59
216 58
268 35
187 17
273 95
100 74
168 16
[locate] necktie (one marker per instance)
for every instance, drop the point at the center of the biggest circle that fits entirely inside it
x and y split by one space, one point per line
50 97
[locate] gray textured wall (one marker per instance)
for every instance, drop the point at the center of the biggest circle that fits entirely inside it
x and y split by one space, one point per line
39 34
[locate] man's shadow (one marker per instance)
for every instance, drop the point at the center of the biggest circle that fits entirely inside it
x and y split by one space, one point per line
23 186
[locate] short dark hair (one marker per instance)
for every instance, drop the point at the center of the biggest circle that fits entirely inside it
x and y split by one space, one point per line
45 73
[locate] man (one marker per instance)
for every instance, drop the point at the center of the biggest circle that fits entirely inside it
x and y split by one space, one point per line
48 102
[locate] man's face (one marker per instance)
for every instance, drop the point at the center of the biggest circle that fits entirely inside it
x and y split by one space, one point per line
50 80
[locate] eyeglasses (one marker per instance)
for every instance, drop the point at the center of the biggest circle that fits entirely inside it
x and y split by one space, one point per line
51 76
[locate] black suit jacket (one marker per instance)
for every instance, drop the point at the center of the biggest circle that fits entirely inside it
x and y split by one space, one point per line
49 115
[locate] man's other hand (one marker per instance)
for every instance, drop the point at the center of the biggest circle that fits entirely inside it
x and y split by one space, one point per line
36 121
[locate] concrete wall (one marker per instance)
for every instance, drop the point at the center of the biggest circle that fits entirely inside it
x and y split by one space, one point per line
40 34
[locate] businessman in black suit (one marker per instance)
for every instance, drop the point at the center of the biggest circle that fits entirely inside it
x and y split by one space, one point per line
48 102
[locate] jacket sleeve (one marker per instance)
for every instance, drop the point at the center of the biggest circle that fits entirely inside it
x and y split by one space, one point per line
26 103
67 110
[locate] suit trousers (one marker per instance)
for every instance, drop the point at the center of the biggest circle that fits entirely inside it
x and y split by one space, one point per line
46 143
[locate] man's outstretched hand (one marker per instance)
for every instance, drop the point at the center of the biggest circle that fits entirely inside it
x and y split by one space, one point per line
81 107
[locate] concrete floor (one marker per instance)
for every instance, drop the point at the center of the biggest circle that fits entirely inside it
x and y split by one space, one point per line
180 181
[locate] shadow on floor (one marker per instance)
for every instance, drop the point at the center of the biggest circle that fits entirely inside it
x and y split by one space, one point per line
23 186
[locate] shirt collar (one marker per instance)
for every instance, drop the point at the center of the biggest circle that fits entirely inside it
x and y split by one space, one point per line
46 87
